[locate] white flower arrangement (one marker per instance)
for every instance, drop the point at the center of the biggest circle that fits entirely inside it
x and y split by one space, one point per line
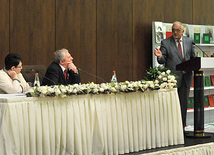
162 77
89 88
157 78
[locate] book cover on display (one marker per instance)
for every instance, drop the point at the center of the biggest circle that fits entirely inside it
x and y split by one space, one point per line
210 97
158 32
209 30
197 32
212 79
168 31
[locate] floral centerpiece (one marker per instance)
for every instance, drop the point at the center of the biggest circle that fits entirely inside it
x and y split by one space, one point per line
162 77
156 78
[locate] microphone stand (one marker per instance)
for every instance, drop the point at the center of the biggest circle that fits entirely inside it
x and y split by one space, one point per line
91 75
200 49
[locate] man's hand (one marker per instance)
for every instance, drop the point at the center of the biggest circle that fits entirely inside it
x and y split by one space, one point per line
158 53
71 66
12 74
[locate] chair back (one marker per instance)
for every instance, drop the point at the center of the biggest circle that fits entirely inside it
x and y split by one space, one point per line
28 72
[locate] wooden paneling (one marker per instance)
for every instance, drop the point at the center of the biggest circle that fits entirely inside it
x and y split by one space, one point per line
175 10
203 12
76 31
4 30
101 35
32 30
144 13
114 39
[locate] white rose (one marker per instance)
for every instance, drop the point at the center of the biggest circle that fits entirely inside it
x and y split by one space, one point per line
44 91
162 86
75 91
169 81
63 90
149 82
58 92
113 89
145 86
75 85
123 87
116 86
70 90
156 81
163 73
135 84
156 85
152 85
51 90
141 85
171 85
164 79
101 90
95 90
168 72
129 85
106 87
173 78
127 82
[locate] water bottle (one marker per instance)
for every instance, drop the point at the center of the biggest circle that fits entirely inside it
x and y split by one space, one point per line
36 81
114 77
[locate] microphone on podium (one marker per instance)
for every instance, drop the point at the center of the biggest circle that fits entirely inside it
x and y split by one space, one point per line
200 49
91 74
32 70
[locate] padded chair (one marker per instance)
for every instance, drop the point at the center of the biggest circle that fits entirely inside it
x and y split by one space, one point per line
28 72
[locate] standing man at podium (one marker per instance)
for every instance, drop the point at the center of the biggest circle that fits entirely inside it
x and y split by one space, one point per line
175 50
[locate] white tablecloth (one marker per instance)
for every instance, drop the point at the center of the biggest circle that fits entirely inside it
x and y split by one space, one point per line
90 124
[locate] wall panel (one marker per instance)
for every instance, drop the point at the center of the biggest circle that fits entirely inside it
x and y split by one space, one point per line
175 10
144 13
101 35
203 12
4 30
76 31
32 30
114 39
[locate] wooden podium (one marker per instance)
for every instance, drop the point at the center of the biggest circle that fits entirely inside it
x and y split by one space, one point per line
198 65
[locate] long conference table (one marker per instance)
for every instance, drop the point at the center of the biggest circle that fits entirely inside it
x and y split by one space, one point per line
90 124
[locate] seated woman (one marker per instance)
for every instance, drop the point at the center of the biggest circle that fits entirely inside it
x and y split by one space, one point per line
11 79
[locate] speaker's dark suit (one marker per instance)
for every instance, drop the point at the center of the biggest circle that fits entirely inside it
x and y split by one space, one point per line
55 76
171 57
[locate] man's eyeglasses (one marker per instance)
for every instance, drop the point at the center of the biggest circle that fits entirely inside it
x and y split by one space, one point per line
18 66
176 30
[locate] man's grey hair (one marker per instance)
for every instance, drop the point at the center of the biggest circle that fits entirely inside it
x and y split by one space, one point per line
59 55
178 23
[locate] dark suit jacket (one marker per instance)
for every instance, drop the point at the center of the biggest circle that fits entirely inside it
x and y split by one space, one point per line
171 57
55 76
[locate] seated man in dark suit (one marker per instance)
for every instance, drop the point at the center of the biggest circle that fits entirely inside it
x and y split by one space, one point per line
62 70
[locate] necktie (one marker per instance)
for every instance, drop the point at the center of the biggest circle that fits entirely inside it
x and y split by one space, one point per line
65 73
179 48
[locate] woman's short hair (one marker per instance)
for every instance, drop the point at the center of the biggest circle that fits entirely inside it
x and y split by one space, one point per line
11 60
59 55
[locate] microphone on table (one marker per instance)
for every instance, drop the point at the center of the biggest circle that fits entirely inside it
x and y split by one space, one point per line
91 75
32 70
200 49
